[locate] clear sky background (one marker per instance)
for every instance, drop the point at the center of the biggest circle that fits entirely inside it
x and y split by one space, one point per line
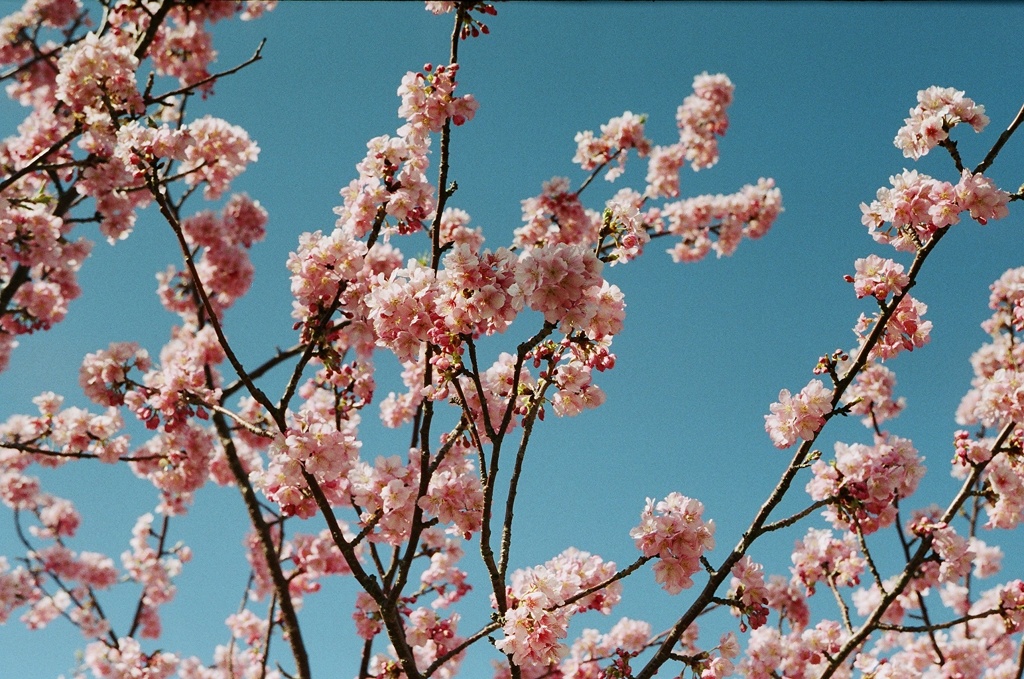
820 92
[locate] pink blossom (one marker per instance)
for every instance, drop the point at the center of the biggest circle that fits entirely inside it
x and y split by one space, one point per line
443 577
906 330
627 227
1007 300
789 600
183 49
366 616
537 620
440 6
139 147
750 213
878 277
104 374
554 281
677 535
247 627
1000 397
663 171
455 495
95 70
428 101
954 551
153 569
871 395
866 481
821 557
128 660
556 216
108 182
749 588
176 462
800 416
170 393
938 110
977 194
320 266
702 117
220 153
455 229
1004 477
618 135
388 489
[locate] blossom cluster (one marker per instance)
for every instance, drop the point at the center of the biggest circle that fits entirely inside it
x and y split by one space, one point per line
556 216
871 395
800 416
997 389
96 78
908 214
796 655
627 637
674 531
538 615
177 389
938 110
68 431
878 277
36 242
718 222
748 587
821 557
864 482
618 135
702 117
392 181
905 329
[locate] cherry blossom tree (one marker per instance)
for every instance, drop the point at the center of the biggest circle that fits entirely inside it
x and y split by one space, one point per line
108 134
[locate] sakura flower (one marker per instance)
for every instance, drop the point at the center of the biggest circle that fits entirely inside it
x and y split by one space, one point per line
702 117
626 224
220 153
97 70
865 482
678 535
537 620
618 135
878 277
800 416
428 101
103 375
822 557
871 395
748 586
556 216
938 110
906 330
981 197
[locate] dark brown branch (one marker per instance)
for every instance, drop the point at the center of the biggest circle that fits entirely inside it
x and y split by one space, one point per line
163 201
1003 138
258 372
34 164
789 521
466 643
871 624
289 616
513 484
199 83
624 573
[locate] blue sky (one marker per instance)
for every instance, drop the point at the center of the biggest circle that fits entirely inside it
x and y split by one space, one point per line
820 92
